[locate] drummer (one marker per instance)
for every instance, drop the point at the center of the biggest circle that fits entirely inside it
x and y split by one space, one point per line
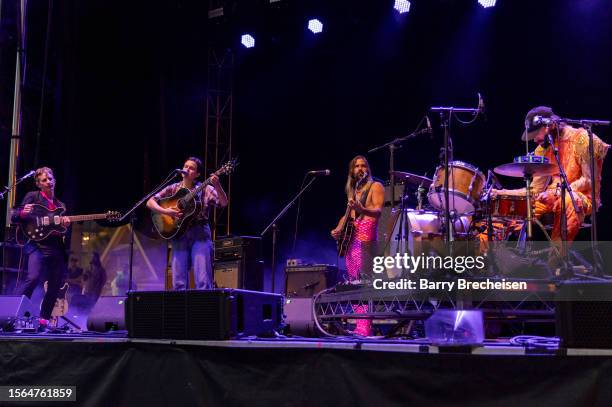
573 146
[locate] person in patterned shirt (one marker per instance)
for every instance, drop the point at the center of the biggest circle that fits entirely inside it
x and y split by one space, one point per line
573 146
365 211
195 243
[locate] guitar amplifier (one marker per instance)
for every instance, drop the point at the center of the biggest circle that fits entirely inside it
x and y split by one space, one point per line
202 314
240 273
238 247
308 280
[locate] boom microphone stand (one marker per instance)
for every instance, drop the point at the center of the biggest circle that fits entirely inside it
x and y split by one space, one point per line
274 227
131 213
588 124
446 114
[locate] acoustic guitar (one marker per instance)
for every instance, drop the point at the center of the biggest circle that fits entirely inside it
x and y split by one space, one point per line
188 202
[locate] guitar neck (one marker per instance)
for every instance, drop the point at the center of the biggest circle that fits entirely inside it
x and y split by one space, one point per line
81 218
197 189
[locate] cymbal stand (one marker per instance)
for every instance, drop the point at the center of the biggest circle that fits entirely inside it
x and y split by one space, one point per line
393 145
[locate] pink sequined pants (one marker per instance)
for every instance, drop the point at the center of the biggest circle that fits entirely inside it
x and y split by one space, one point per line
365 231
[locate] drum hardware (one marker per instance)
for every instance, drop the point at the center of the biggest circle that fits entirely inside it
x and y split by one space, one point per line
396 144
445 118
414 179
526 167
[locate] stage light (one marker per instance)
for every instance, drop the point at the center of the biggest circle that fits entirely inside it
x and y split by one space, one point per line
402 6
248 41
315 26
487 3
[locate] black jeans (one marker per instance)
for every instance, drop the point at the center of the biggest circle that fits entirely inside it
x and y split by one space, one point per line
45 265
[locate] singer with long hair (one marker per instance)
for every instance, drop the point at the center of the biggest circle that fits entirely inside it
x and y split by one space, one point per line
365 203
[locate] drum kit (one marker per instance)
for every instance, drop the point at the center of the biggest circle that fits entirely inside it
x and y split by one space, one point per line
472 207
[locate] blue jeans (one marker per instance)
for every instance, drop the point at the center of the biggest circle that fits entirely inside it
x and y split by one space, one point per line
195 245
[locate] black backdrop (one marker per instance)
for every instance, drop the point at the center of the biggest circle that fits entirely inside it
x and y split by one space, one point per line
126 90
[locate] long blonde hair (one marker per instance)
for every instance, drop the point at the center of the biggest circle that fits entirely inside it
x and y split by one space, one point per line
351 180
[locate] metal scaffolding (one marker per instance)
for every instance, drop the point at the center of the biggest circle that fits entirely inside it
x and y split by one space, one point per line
219 125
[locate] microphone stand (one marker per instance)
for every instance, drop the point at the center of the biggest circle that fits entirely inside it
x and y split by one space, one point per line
588 126
565 187
274 227
394 145
8 188
445 116
131 213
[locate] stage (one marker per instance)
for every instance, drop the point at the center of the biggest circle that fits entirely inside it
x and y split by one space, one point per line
119 371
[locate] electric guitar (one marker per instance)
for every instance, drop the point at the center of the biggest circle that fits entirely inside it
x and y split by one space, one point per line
348 227
41 222
60 308
188 202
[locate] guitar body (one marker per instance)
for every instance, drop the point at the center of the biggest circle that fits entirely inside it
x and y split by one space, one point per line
189 202
344 240
41 222
169 227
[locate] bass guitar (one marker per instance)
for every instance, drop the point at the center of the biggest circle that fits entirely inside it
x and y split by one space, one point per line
188 202
41 222
348 227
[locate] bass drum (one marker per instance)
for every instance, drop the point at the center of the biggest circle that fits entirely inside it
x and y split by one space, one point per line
465 185
420 232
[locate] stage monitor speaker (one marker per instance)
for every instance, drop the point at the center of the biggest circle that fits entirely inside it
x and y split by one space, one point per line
16 306
584 315
241 274
107 315
202 314
308 280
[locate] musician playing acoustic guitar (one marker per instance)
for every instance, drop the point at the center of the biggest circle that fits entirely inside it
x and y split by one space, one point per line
47 257
195 241
364 208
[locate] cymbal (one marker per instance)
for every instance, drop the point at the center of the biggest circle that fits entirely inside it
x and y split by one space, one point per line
412 178
519 170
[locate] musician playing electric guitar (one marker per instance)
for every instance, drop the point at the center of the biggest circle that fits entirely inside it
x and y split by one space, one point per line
47 256
194 242
365 202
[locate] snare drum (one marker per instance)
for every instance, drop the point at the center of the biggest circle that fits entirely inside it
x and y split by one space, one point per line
509 207
465 185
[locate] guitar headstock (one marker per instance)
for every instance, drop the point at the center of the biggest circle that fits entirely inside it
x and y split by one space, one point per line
113 216
228 167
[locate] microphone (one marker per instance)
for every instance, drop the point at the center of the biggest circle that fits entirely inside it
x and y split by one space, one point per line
180 171
319 173
28 175
541 121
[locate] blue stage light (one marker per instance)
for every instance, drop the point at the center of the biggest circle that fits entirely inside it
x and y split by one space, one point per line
487 3
247 40
402 6
315 26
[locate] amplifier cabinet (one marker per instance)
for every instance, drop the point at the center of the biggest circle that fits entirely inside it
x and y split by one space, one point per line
242 274
308 280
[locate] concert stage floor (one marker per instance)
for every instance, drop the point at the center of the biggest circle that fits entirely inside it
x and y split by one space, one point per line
113 370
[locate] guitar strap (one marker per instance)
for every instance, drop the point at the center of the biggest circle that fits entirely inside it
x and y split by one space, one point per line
364 196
